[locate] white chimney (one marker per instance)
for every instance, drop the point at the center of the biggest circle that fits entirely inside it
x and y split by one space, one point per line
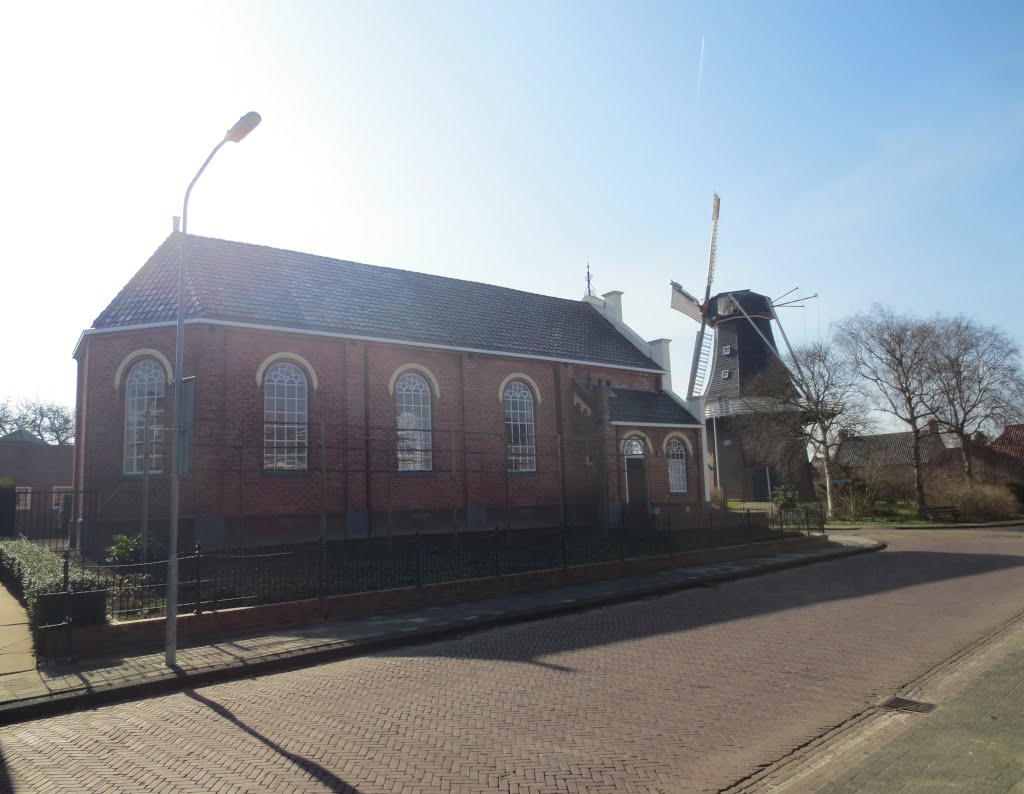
660 355
613 305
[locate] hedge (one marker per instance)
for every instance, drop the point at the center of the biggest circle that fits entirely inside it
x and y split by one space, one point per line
35 573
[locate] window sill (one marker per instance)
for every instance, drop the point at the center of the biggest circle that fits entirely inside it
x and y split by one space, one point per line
153 475
286 473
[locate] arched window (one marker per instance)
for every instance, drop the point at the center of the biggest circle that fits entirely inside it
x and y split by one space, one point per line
412 411
633 447
675 452
285 418
519 428
144 394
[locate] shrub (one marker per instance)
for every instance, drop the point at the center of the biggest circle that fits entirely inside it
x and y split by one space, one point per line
785 497
35 571
127 550
976 501
1017 489
718 498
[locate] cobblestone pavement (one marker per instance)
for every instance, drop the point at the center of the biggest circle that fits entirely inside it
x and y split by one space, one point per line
686 692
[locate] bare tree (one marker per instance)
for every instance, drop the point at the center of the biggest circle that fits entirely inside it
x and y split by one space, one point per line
60 424
892 353
810 404
8 418
50 422
975 380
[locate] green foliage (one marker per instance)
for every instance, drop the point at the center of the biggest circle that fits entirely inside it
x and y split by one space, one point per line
785 497
127 550
34 571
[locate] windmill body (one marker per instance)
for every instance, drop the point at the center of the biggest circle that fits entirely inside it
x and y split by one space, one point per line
734 352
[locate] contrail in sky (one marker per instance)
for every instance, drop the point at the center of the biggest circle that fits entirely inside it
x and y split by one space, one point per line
700 68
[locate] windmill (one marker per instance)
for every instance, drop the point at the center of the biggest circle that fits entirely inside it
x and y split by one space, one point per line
732 355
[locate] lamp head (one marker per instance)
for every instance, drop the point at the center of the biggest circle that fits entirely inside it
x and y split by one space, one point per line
243 127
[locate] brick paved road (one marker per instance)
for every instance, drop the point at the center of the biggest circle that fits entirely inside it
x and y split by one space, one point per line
685 692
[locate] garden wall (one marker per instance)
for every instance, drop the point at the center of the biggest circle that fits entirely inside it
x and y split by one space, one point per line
147 635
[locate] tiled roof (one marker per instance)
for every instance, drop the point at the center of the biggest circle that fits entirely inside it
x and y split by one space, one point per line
21 436
1011 442
886 449
648 407
248 283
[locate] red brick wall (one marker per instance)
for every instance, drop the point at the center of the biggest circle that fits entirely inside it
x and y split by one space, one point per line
38 466
227 477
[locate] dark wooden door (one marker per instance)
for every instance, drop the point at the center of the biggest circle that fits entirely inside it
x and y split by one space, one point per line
636 484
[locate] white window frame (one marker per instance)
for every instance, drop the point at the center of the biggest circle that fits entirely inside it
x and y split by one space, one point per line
57 496
285 418
413 418
144 393
675 459
520 427
23 497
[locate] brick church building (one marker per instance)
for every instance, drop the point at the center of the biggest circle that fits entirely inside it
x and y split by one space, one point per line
377 400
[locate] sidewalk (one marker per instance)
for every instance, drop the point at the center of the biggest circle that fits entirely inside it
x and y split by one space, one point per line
972 742
15 638
57 688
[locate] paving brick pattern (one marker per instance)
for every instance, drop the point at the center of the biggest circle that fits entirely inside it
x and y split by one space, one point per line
972 743
687 692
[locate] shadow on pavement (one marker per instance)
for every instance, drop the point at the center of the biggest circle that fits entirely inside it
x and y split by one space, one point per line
323 775
6 785
826 581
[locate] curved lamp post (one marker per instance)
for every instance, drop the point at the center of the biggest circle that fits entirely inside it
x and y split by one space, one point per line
242 127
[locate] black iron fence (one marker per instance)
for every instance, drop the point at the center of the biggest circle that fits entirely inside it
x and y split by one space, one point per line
212 580
800 518
54 517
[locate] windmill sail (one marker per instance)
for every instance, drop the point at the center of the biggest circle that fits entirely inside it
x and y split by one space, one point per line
704 351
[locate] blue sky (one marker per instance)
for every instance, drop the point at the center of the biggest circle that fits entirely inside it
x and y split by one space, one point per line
867 152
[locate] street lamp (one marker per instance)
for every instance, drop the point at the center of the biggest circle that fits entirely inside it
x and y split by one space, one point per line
242 127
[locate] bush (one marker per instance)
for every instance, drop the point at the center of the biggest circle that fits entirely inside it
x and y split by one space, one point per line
785 497
718 498
1017 489
35 571
976 501
127 550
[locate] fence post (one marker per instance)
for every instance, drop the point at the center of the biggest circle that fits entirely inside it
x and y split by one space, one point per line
494 540
323 508
565 550
199 580
146 454
67 598
748 525
419 563
508 494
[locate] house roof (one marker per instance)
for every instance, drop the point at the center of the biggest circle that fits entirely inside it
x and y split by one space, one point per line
246 283
1011 442
22 436
886 449
647 407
